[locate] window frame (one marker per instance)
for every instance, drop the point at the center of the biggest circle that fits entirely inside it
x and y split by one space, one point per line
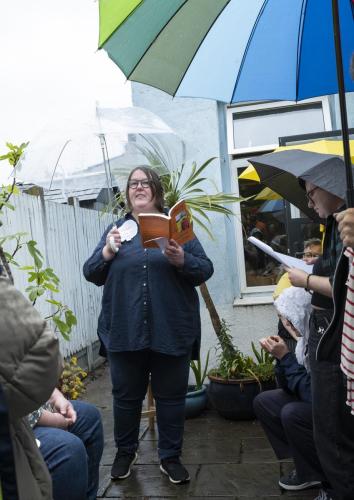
271 105
262 291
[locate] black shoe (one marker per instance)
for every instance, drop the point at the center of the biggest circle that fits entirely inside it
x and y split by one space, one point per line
122 464
292 483
175 471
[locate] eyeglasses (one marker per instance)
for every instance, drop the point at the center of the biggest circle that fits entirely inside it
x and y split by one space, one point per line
309 194
310 255
307 255
144 183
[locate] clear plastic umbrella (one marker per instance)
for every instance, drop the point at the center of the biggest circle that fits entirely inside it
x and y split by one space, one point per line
97 151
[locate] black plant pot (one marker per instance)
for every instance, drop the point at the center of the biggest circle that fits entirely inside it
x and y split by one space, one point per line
195 401
233 399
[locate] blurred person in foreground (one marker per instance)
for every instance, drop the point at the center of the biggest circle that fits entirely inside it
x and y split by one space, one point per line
149 326
63 461
30 366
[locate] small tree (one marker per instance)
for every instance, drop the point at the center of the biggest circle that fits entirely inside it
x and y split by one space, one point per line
42 281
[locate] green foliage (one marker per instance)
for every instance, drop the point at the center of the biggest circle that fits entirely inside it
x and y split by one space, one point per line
181 186
41 281
178 184
12 157
233 364
14 153
199 371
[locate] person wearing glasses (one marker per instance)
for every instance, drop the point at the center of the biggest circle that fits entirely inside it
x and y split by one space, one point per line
333 423
149 326
312 250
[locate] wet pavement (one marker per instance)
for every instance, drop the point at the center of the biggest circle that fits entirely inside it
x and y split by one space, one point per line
226 459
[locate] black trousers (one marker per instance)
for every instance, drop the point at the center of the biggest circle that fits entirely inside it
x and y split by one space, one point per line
333 422
130 373
288 425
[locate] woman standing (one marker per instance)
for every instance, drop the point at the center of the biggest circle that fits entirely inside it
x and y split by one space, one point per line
149 325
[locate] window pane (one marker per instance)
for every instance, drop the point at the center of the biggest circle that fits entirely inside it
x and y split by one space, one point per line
264 127
263 217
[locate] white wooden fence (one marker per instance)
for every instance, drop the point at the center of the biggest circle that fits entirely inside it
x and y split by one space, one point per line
66 236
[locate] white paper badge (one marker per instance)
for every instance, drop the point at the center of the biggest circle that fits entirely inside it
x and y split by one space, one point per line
127 232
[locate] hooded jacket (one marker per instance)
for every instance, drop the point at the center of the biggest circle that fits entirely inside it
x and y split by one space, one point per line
30 365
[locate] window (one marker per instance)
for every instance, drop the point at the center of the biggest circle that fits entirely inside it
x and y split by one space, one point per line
254 130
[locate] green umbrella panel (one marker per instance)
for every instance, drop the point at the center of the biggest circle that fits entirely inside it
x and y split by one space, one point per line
170 34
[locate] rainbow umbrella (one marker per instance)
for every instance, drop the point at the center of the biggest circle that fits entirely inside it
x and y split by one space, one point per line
235 50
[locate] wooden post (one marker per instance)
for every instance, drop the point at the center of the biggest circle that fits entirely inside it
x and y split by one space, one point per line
150 412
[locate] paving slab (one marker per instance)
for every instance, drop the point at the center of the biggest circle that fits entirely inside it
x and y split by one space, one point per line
226 459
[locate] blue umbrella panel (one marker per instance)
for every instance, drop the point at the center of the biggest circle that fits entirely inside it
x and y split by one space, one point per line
272 206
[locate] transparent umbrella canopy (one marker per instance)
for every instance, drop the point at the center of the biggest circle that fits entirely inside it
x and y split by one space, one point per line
98 151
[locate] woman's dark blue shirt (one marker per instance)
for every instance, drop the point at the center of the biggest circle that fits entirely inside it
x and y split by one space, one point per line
147 302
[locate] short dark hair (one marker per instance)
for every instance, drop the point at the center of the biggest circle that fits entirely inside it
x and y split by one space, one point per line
155 185
312 242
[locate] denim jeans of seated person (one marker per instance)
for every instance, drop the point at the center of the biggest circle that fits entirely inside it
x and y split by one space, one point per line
73 456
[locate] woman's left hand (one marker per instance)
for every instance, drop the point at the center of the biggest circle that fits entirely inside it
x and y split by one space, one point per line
174 253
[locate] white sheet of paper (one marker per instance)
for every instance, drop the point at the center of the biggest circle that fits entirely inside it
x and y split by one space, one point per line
127 232
161 242
284 259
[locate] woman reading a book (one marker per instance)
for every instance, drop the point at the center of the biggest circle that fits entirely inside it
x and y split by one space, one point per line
149 325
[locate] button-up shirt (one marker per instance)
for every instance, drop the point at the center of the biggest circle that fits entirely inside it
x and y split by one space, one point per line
147 302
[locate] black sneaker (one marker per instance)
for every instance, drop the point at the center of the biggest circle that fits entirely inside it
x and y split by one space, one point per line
292 483
175 471
122 464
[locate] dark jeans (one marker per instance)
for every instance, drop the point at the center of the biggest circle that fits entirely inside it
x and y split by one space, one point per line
288 425
333 422
130 373
73 456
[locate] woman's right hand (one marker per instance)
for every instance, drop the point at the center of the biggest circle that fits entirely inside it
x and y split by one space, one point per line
107 252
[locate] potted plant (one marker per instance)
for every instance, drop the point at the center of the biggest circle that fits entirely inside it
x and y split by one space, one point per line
196 398
238 378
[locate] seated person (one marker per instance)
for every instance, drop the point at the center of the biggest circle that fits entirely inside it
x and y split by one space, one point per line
286 413
70 438
312 250
30 366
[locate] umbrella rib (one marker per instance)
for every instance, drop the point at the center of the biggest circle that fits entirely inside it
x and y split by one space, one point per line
57 162
300 31
153 41
202 40
261 10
